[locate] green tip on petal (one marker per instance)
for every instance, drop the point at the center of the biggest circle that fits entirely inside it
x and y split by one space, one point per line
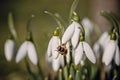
82 37
75 17
56 32
113 36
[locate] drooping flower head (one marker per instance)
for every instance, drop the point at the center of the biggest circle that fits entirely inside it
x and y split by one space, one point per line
112 50
27 49
72 32
54 57
9 49
82 49
100 45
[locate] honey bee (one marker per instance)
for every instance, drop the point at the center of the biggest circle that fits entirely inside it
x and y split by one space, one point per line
62 49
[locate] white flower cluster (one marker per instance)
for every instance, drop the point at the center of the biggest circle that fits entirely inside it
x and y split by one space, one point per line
80 48
109 47
27 48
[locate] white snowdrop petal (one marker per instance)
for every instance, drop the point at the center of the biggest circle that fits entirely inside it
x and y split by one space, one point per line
117 56
103 37
68 33
49 60
89 53
32 54
88 24
55 44
9 49
76 35
22 52
109 53
96 49
61 58
49 49
55 64
78 54
104 40
68 53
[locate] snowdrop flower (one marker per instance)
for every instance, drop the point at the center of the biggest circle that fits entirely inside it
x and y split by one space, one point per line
83 49
53 44
54 58
27 49
9 49
73 33
100 45
111 51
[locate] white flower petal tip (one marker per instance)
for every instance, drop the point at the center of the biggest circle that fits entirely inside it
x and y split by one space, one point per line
96 49
56 64
109 52
68 33
49 60
22 52
9 49
88 24
117 56
78 54
61 59
89 53
32 54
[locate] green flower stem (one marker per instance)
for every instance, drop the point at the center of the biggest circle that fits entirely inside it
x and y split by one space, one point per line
63 23
115 75
66 72
65 62
71 57
40 71
77 76
65 68
72 71
60 74
109 18
29 70
29 23
82 34
56 18
72 9
11 26
116 20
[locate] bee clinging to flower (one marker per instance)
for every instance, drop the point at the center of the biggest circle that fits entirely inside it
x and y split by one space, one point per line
62 49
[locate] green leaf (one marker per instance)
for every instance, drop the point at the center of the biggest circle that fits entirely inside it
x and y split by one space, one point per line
11 25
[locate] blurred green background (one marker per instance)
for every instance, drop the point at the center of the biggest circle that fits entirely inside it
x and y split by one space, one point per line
42 28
